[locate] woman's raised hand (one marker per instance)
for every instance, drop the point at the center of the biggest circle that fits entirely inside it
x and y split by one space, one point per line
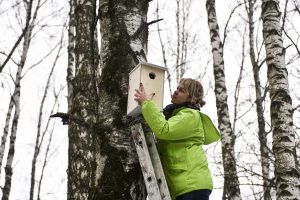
141 95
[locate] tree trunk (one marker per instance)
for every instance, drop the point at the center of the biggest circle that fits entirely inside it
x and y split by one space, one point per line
182 13
124 32
231 182
163 49
56 103
6 129
286 172
262 135
14 127
178 31
102 159
71 54
14 96
84 102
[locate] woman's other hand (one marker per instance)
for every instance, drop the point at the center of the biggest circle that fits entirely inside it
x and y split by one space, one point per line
141 95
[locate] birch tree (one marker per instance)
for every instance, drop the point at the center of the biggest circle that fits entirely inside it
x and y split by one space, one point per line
262 134
231 182
286 170
15 93
82 144
182 34
163 50
124 31
47 152
16 97
102 159
71 53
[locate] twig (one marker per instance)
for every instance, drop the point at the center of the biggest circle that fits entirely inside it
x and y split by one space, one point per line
28 17
66 119
154 21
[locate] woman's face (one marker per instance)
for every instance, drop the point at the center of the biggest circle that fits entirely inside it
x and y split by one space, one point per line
180 96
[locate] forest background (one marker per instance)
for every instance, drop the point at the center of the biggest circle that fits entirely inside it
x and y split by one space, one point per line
33 85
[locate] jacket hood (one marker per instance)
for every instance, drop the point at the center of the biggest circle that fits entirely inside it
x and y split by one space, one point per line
211 133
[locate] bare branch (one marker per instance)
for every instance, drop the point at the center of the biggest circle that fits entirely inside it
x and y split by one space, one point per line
295 45
296 108
238 83
64 117
284 14
154 21
41 60
28 18
163 50
227 22
296 6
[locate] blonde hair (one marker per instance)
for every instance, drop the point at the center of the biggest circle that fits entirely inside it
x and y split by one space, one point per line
195 90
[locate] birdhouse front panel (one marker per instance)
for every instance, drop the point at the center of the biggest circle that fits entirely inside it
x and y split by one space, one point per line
152 77
153 81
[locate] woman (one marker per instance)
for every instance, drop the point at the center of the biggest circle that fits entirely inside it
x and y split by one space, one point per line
181 133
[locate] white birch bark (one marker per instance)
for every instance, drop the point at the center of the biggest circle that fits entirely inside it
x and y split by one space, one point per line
231 182
83 103
71 54
286 171
124 32
6 128
14 127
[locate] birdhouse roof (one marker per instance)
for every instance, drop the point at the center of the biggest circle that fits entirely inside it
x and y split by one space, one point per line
148 65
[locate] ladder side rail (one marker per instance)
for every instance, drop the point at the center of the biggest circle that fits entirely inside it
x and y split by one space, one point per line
158 169
145 162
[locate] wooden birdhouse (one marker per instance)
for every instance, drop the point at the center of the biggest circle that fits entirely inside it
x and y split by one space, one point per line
152 77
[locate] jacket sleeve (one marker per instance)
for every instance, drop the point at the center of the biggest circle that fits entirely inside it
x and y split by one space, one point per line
177 127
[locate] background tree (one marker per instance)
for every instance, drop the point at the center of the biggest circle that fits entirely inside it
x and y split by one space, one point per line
41 134
17 95
286 170
262 134
20 69
82 146
231 182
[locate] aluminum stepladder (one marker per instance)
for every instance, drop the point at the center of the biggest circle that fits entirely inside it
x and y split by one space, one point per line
150 163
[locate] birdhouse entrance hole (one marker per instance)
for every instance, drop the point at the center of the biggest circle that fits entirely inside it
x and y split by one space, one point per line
152 75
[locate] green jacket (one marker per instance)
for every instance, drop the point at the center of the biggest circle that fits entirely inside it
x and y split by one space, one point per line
180 143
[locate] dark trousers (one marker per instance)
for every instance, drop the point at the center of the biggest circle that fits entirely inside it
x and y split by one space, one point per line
195 195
